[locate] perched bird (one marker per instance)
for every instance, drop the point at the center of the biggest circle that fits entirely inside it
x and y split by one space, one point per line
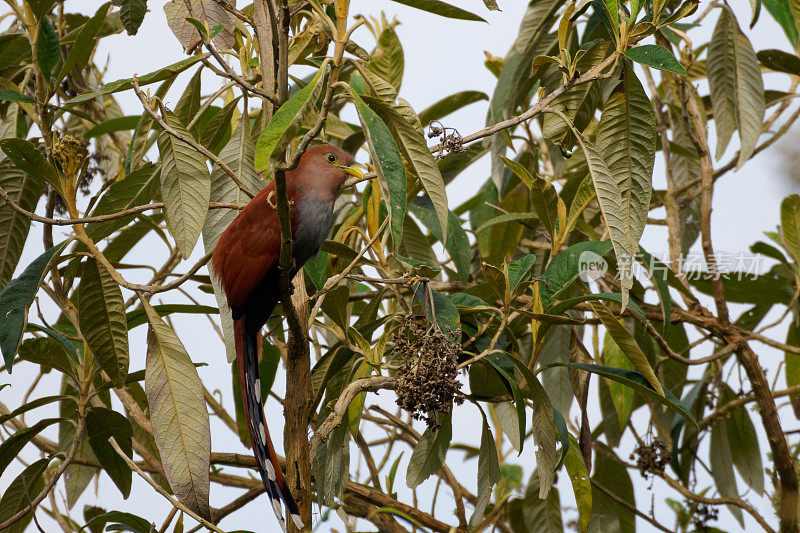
246 261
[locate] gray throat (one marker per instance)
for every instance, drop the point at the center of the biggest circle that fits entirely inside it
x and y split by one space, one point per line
314 219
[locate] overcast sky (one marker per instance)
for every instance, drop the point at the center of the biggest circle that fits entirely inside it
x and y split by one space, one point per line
442 57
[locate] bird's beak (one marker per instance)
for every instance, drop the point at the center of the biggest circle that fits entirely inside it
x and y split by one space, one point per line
353 170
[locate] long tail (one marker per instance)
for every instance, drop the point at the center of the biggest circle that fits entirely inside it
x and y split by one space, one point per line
247 349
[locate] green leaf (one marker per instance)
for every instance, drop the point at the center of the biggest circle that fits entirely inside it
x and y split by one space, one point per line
737 90
131 13
387 59
568 303
608 515
655 56
428 455
519 271
48 50
540 515
388 165
138 188
441 8
779 61
332 462
722 467
637 382
792 361
14 96
10 448
616 203
511 419
101 311
404 126
286 122
621 395
127 83
28 158
25 190
48 354
790 225
19 494
113 124
133 523
16 298
450 104
565 268
502 219
781 12
185 185
545 202
84 44
544 437
219 127
627 343
743 441
178 413
34 404
141 140
456 243
488 473
102 424
581 483
519 171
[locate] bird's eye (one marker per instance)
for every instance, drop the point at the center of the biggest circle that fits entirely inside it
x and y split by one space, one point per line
331 158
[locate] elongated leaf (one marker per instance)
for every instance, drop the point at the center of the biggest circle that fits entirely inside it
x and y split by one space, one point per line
10 95
782 13
627 343
616 203
568 303
138 188
19 494
544 437
101 310
441 8
84 43
456 243
722 467
286 122
450 104
488 473
25 190
655 56
102 424
636 381
621 395
28 158
185 185
127 83
178 413
608 515
545 202
16 298
387 60
332 462
111 125
743 441
792 360
790 225
388 165
48 51
581 484
509 422
737 90
130 522
626 141
541 515
203 11
780 61
502 219
11 447
140 142
34 404
428 456
405 127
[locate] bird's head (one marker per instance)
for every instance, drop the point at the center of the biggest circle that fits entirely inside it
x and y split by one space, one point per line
325 168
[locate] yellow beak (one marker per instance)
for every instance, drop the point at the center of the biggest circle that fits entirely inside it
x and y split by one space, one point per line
353 170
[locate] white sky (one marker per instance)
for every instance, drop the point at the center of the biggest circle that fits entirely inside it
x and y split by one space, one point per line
442 57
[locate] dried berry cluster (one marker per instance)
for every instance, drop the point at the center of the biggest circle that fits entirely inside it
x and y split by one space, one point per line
652 459
427 377
702 514
451 142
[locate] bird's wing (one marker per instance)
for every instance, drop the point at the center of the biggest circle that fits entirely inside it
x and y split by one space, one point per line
249 247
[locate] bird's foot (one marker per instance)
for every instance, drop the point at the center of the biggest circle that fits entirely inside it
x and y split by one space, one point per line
272 200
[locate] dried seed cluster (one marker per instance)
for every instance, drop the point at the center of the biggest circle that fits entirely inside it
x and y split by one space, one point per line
449 138
701 514
652 459
427 377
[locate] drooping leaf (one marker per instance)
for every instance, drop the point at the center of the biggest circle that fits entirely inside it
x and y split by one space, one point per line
540 515
140 141
565 268
10 448
608 515
28 158
332 462
456 243
102 424
779 61
488 473
581 484
428 456
743 441
790 225
178 413
443 9
25 190
131 13
286 122
388 165
138 188
84 43
16 298
185 186
737 90
782 13
721 463
544 437
621 395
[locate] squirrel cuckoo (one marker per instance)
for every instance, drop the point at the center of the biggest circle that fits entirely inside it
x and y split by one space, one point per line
246 263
